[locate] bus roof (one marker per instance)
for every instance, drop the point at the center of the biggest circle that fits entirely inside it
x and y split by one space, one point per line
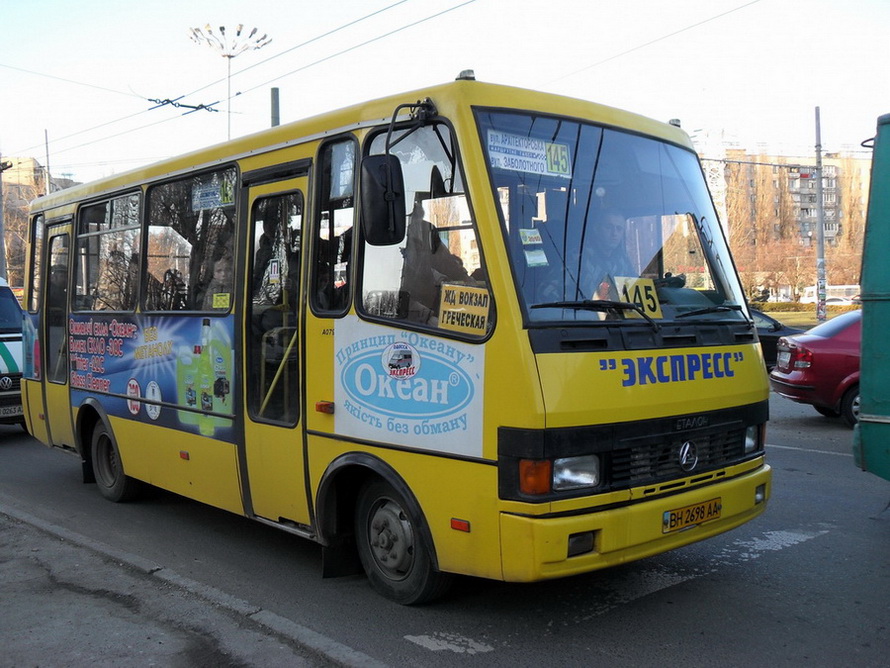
449 99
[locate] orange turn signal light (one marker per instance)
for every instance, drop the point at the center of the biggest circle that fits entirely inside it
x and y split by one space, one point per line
535 476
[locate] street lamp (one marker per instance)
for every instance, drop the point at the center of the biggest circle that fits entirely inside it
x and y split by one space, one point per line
229 46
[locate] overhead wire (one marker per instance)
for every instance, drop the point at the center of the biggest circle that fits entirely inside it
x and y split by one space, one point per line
653 41
321 60
302 44
365 43
337 54
70 81
144 111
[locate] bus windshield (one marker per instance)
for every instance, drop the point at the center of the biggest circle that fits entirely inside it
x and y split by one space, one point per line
597 219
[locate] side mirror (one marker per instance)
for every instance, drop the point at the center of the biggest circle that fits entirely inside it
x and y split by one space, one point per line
383 200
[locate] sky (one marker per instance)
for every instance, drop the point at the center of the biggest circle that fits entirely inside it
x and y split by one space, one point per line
82 74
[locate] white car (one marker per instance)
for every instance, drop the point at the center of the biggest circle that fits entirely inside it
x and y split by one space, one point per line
10 357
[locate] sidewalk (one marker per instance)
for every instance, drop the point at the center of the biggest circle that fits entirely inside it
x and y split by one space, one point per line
68 601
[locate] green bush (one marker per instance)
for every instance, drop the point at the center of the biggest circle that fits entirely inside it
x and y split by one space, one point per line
797 307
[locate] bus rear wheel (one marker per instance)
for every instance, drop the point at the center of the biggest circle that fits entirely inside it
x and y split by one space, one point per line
108 469
392 551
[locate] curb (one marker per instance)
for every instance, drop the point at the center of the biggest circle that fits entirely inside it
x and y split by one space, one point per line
273 623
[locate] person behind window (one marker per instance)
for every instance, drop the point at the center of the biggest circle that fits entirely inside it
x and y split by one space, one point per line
57 304
604 256
265 251
428 264
58 294
221 282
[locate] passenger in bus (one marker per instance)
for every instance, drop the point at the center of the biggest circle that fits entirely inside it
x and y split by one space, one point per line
174 291
219 290
58 294
131 293
57 304
604 256
427 265
262 264
333 268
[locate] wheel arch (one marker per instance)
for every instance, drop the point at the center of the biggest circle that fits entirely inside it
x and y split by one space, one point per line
842 387
90 413
338 494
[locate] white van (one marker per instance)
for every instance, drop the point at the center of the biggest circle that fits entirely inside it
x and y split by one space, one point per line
10 357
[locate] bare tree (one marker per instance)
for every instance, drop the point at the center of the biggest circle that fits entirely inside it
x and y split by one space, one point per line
17 198
845 259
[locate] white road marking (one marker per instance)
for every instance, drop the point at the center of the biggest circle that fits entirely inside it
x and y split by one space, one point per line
818 452
648 579
772 541
654 578
439 642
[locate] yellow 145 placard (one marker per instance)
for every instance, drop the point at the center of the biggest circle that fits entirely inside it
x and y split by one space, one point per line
639 291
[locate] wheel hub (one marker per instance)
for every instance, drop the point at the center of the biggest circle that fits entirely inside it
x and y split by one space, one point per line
392 539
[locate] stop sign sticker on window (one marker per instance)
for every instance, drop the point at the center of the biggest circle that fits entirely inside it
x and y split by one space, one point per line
133 391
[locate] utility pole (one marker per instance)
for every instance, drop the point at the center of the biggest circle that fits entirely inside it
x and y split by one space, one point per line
3 167
820 227
276 112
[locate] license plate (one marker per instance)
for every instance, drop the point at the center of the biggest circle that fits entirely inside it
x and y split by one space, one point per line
674 520
783 358
10 411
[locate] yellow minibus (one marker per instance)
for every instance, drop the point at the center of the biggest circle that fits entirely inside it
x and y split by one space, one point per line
468 330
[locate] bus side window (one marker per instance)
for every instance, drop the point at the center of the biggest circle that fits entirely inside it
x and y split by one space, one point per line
435 277
331 282
108 240
56 307
191 239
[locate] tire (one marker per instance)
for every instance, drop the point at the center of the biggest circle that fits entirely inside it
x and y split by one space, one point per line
827 412
108 469
393 553
850 406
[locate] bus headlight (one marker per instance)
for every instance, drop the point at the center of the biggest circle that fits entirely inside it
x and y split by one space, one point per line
752 440
576 472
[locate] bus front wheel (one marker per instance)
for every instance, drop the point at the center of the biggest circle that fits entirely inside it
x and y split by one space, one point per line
393 554
108 469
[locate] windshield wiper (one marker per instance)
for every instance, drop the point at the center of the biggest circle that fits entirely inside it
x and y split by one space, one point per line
600 305
710 309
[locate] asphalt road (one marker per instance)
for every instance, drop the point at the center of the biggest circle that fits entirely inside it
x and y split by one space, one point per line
806 583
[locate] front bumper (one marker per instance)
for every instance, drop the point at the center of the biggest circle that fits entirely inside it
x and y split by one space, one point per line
536 548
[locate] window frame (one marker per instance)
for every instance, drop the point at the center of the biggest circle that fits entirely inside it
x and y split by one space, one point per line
252 352
317 264
454 153
232 242
79 301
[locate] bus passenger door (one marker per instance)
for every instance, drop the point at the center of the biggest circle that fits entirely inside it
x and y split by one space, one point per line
57 398
273 444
